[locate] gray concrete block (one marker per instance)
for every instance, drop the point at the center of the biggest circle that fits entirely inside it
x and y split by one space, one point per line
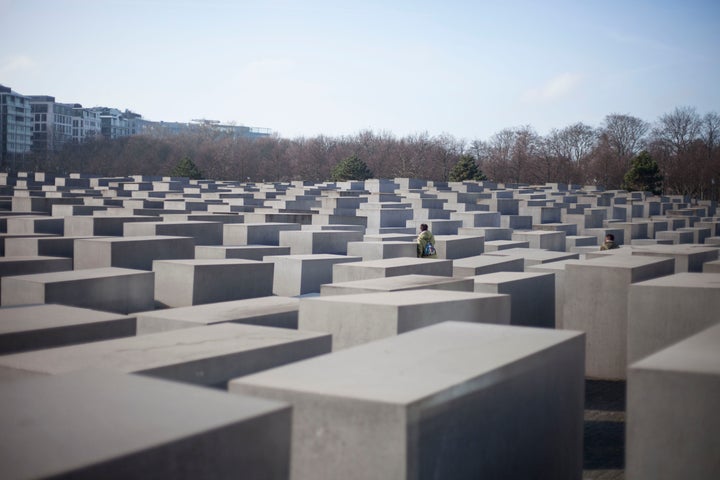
203 233
391 267
246 252
23 225
489 233
42 246
711 267
416 405
209 356
93 424
402 282
303 274
496 245
361 318
34 327
482 264
688 258
672 420
130 252
536 256
110 225
451 247
27 265
279 312
378 250
596 302
181 283
118 290
256 233
532 295
539 239
665 310
558 271
309 242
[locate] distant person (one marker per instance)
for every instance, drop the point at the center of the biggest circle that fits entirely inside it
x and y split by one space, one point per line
426 243
609 243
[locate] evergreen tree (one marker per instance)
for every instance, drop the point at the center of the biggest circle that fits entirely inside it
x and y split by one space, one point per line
351 168
187 168
644 174
466 169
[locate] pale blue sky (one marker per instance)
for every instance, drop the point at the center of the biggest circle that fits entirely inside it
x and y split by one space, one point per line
308 67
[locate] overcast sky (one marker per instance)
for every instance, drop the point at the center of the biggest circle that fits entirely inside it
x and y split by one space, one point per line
313 67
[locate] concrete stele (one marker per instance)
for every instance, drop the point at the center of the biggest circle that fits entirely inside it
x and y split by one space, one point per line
416 405
361 318
672 420
99 424
203 355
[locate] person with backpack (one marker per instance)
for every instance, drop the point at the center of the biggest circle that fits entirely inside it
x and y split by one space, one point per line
426 243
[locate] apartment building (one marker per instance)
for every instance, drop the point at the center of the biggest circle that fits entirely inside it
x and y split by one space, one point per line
15 127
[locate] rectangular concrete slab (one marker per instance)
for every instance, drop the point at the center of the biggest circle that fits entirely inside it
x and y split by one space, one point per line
596 302
688 258
672 420
246 252
402 282
665 310
391 267
417 405
130 252
486 263
280 312
27 265
34 327
118 290
99 424
304 274
361 318
532 295
181 283
203 355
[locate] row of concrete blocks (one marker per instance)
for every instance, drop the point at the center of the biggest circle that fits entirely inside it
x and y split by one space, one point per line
334 419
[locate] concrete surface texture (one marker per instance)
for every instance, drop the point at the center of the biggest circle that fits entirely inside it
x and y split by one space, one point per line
358 238
672 411
100 424
203 355
417 405
360 318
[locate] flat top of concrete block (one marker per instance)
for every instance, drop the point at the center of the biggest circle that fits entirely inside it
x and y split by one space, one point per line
37 317
393 262
82 274
552 266
260 224
30 258
312 256
684 280
619 261
139 238
539 233
181 222
508 277
485 259
415 366
155 350
199 262
225 311
699 354
401 298
682 249
54 425
535 253
401 281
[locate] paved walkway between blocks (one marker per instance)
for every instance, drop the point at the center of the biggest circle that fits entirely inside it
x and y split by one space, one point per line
604 455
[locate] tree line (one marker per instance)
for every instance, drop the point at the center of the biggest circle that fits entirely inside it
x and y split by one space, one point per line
684 144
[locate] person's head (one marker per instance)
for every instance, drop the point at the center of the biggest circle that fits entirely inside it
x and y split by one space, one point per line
423 227
609 237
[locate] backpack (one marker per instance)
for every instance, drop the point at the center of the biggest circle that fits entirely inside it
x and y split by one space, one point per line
429 250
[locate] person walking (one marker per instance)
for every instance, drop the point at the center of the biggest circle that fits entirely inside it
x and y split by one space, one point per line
426 243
